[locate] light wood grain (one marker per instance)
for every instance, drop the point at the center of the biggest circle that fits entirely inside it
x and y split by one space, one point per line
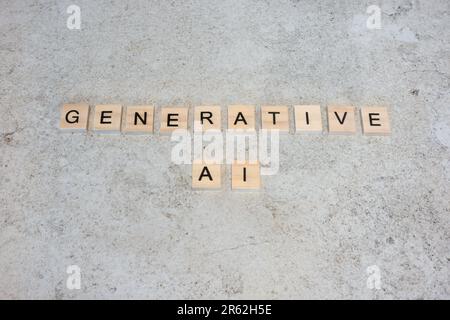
242 117
207 118
74 117
173 118
375 121
308 118
139 119
206 176
107 117
245 176
341 120
275 117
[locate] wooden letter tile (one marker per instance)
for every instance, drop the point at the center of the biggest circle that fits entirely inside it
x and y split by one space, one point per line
341 119
308 118
207 118
241 117
206 176
173 118
375 121
74 117
107 117
245 176
275 117
139 119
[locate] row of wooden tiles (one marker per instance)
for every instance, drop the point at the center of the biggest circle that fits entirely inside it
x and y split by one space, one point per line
308 118
244 176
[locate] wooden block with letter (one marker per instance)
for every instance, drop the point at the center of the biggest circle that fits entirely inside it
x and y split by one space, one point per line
375 121
241 117
206 176
173 118
74 117
107 117
245 176
139 119
207 118
308 118
275 117
341 119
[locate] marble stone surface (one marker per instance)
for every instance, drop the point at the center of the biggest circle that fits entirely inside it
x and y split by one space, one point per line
117 207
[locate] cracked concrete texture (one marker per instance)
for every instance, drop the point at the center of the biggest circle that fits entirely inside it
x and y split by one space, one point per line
120 210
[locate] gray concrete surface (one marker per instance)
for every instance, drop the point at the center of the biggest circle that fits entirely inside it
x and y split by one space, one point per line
120 210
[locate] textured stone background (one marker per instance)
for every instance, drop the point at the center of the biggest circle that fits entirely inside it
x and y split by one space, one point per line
117 207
